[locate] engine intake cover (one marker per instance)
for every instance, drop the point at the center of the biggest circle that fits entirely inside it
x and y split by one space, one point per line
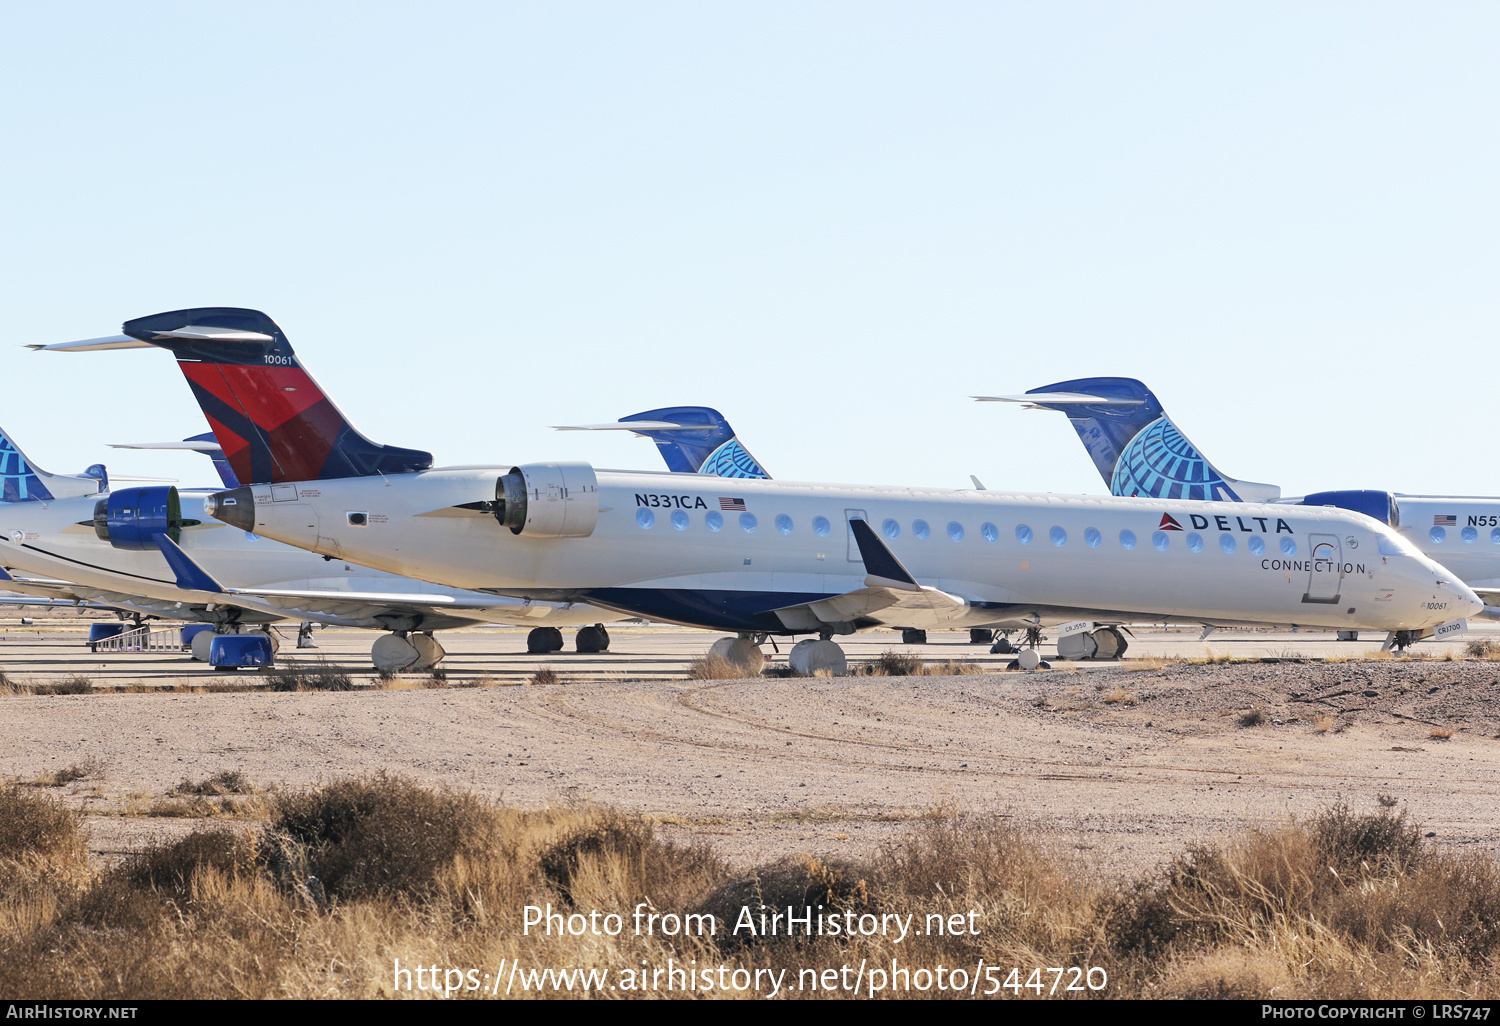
131 518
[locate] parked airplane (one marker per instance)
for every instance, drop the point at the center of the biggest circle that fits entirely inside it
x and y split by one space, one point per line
63 541
1140 451
762 557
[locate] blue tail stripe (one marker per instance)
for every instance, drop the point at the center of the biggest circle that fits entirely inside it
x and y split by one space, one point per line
18 481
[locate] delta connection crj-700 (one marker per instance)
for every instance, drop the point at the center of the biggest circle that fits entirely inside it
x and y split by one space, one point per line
764 557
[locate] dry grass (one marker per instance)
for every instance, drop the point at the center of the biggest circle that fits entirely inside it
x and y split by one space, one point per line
1119 696
1254 717
713 667
1323 722
309 677
1440 733
89 767
350 876
546 677
891 663
1482 648
222 782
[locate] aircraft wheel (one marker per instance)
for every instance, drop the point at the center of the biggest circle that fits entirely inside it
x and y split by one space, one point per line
1077 646
1002 646
1014 664
981 635
809 657
201 643
429 652
392 653
592 639
1110 642
1348 635
544 639
911 636
740 653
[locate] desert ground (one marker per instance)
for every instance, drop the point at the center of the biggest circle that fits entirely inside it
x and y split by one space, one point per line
1184 741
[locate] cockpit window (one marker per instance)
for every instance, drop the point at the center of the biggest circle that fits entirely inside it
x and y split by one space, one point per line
1395 545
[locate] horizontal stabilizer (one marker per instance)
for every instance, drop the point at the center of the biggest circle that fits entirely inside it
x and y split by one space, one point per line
94 345
1035 400
191 446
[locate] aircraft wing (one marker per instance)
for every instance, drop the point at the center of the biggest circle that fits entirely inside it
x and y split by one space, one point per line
891 596
375 608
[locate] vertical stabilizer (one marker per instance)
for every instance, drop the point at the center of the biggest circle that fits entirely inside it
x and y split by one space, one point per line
269 416
1136 447
22 481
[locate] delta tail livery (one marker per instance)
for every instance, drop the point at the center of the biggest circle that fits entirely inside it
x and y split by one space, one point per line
1139 451
763 557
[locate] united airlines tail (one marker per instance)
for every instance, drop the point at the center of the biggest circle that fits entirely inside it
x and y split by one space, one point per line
691 439
22 481
1135 445
269 416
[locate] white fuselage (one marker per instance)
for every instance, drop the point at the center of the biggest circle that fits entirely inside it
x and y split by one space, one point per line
1013 558
1461 533
54 539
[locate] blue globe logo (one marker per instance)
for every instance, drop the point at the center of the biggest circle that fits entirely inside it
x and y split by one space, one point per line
732 460
1160 463
17 482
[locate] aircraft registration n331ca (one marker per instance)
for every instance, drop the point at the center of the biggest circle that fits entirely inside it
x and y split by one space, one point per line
1140 451
764 557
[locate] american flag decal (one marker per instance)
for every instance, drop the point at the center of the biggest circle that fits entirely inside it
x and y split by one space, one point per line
732 505
1445 521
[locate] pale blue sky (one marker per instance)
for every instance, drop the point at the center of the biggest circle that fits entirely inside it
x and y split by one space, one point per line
832 221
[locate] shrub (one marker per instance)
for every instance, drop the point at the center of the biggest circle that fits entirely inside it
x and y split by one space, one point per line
381 834
31 825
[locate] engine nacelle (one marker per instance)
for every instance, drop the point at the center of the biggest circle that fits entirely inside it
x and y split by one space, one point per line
548 500
131 518
1380 505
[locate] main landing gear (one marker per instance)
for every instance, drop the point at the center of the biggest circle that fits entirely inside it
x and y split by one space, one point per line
1103 643
402 650
543 640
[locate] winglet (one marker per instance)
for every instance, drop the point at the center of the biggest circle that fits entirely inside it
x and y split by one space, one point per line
190 576
5 576
884 570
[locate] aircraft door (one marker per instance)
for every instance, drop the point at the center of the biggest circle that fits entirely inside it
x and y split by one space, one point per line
1325 577
853 546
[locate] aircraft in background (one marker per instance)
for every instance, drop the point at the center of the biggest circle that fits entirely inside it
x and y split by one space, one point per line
761 557
64 555
1139 451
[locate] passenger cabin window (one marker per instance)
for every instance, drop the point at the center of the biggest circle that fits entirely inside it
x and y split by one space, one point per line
645 518
783 524
1059 536
892 529
1470 535
714 520
989 532
1092 538
1023 534
1127 539
1195 542
1161 540
679 520
921 530
955 531
821 526
1226 543
1257 546
1288 547
1438 535
748 523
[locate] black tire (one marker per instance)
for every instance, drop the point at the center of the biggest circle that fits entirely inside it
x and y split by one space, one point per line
981 635
539 641
591 639
1043 665
911 636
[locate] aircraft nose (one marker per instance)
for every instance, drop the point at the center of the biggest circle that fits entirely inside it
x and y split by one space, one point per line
1469 604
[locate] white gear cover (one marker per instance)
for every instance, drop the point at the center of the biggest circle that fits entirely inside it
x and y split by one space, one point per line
810 656
739 653
429 652
392 653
